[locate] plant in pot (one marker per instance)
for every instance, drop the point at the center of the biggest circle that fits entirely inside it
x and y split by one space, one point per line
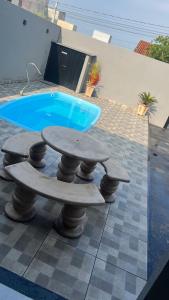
94 77
146 101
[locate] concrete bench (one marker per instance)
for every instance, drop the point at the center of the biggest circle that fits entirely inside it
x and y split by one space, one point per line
23 146
76 197
110 181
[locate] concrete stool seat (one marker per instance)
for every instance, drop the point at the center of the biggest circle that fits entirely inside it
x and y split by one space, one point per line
110 181
76 197
21 146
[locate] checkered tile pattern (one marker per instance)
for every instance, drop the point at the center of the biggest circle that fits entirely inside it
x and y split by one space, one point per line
124 251
62 268
109 261
111 283
128 217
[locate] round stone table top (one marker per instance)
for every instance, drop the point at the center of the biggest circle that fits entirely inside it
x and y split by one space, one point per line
75 144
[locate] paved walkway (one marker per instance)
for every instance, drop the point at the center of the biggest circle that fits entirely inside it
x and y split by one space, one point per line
109 261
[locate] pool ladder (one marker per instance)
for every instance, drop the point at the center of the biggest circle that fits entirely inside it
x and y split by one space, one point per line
27 75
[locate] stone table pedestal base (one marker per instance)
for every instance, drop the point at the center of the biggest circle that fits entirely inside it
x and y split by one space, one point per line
21 208
67 168
85 170
71 221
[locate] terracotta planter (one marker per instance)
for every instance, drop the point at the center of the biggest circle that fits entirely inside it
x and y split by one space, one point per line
142 109
89 90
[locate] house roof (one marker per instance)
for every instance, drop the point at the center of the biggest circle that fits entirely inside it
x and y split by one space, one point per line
142 47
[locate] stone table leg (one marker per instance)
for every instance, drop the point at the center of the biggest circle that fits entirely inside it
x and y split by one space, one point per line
67 168
36 155
21 208
108 186
71 221
9 159
85 170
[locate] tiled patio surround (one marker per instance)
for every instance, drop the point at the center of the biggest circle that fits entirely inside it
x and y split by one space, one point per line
109 261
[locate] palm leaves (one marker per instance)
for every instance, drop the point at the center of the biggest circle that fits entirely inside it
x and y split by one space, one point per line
147 99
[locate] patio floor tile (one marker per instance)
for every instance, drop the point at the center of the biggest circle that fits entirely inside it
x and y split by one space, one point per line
124 251
129 218
20 242
61 268
111 283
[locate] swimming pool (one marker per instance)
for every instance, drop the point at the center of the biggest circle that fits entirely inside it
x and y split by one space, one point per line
38 111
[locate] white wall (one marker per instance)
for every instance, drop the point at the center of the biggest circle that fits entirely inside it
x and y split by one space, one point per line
124 74
21 44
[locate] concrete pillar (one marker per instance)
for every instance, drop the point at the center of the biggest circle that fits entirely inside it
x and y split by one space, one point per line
67 168
21 208
71 221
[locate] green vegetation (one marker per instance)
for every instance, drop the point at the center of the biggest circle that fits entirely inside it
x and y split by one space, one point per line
147 99
159 49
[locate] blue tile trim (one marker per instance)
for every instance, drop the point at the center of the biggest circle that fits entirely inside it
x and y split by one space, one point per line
26 287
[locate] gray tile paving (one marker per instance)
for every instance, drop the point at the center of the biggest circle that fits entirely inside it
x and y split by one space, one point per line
61 268
124 251
18 247
128 217
111 283
109 261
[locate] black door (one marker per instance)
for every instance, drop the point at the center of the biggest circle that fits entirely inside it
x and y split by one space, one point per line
64 66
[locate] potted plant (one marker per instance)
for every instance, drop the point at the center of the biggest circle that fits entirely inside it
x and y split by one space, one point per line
94 77
145 102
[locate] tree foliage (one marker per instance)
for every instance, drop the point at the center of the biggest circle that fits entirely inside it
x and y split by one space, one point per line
159 49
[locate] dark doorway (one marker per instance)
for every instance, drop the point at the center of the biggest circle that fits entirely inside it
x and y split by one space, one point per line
64 66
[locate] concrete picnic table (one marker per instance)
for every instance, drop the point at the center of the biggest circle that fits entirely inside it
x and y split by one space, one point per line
75 147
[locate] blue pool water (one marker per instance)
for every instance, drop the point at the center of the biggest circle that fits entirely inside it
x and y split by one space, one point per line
38 111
